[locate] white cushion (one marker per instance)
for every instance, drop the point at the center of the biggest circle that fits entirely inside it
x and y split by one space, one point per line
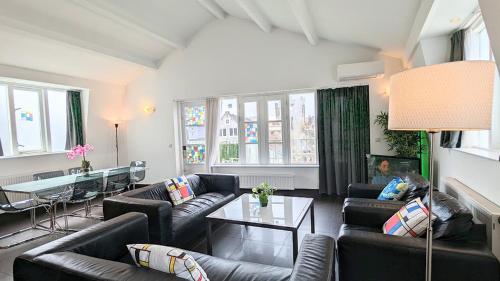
167 259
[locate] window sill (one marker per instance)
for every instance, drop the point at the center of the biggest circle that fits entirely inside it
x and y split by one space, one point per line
491 154
263 166
32 154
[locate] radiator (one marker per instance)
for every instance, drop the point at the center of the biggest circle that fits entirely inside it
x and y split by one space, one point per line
280 181
8 180
483 210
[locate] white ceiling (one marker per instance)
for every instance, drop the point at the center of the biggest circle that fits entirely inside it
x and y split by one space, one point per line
136 34
447 16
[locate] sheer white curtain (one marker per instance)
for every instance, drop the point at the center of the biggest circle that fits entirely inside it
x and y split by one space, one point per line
212 132
477 47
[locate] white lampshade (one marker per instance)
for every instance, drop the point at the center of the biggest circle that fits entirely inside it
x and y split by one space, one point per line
449 96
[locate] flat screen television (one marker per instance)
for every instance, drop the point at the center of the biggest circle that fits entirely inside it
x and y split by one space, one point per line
381 169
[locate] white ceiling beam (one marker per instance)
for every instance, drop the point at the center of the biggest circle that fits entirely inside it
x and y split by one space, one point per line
418 26
213 8
301 12
34 31
99 9
254 12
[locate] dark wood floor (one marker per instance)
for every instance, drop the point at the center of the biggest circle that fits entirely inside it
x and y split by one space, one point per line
273 247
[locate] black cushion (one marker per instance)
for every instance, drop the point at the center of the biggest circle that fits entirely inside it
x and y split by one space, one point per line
453 219
417 186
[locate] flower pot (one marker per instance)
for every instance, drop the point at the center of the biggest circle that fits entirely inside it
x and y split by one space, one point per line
85 172
263 200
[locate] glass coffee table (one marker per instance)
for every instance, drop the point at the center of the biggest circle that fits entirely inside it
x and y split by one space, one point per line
282 212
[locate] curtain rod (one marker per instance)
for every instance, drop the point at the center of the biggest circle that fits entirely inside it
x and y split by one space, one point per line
352 83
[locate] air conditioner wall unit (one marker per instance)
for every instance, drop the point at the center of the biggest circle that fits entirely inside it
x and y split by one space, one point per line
362 70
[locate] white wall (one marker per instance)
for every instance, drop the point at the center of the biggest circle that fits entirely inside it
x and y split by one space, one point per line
233 56
105 102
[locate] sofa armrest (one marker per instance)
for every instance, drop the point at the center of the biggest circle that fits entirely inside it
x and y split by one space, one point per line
369 212
393 258
315 260
159 214
67 266
103 240
221 182
364 190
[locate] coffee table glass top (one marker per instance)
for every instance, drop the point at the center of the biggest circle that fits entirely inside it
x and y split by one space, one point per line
281 211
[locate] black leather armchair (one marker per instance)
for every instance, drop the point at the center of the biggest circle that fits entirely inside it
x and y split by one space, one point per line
366 254
175 225
99 253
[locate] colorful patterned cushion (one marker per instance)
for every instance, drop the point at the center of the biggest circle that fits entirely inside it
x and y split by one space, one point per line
179 190
394 190
410 220
167 259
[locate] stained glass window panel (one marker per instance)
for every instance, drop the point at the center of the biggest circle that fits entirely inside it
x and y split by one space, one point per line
275 132
251 133
274 110
194 115
195 154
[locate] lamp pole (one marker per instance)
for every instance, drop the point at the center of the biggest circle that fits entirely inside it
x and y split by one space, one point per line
116 142
428 252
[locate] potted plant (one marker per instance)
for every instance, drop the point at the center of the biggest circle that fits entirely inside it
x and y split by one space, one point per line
81 150
262 192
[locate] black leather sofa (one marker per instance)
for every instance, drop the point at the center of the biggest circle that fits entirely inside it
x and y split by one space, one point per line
176 225
460 251
99 253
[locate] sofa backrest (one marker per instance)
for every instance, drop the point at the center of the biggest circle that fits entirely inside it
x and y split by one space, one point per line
158 191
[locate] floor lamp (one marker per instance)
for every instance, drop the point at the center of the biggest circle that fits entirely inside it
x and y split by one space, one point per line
116 142
453 96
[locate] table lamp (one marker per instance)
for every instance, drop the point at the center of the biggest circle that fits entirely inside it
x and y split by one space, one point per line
453 96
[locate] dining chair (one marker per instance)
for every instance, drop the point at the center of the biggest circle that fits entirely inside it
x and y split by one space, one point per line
118 180
137 175
21 206
48 175
84 190
77 170
54 196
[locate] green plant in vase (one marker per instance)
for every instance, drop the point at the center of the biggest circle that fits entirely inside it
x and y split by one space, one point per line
262 191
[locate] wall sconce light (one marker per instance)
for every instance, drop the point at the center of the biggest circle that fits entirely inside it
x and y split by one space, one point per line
149 109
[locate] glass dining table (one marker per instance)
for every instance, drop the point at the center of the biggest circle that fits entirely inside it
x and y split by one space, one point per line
39 190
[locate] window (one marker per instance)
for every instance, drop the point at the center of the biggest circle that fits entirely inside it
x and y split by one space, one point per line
228 144
193 116
33 119
477 47
303 128
274 130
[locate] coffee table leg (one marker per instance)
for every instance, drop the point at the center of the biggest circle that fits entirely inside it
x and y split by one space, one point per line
295 245
312 217
209 237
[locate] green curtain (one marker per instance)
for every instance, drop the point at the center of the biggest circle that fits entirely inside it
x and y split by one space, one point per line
1 149
343 137
452 139
75 134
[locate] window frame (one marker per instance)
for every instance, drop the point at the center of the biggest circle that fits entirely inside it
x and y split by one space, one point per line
491 136
262 122
45 133
183 134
